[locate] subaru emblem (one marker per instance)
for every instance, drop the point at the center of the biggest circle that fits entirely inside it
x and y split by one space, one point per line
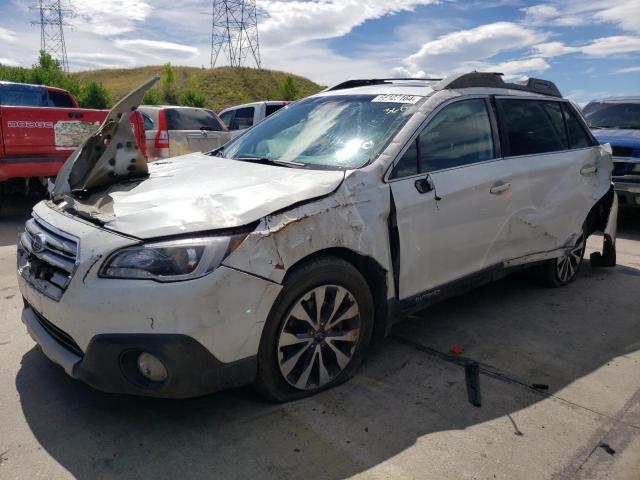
38 241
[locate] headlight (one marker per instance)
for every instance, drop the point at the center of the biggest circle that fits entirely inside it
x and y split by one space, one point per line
636 168
171 261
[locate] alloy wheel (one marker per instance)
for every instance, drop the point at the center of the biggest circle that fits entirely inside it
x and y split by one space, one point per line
318 337
567 266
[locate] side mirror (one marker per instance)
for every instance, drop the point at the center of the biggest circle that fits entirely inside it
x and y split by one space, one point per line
424 185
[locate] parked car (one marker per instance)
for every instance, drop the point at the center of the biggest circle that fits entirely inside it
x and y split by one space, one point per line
246 116
275 259
617 121
173 130
40 127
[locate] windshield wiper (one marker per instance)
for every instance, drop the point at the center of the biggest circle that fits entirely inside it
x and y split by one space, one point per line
271 161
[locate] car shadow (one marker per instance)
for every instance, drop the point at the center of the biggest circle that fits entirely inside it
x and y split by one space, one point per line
410 388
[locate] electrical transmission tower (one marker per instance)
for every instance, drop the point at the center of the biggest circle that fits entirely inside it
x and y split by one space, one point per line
234 32
51 32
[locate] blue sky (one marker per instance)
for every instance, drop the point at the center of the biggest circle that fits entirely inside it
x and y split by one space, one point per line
589 48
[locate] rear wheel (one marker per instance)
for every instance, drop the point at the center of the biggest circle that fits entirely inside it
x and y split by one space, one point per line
317 332
564 270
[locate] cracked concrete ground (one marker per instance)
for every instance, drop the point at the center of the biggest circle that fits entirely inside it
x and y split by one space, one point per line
405 415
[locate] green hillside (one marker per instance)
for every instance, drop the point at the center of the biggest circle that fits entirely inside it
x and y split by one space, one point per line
222 87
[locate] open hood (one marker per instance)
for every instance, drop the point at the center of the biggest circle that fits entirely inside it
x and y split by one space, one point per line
198 192
109 155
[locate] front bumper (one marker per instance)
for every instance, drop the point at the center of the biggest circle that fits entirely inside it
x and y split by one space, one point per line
207 329
109 362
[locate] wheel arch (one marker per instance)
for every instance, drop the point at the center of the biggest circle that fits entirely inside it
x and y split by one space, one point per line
374 274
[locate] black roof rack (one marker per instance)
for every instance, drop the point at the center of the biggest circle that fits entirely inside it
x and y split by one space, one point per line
376 81
494 80
463 80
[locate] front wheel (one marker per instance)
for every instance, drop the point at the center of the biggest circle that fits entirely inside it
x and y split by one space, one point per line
317 332
564 270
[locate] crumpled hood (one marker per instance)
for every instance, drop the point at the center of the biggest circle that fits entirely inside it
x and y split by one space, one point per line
618 137
198 192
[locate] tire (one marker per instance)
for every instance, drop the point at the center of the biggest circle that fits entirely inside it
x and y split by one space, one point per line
563 270
300 356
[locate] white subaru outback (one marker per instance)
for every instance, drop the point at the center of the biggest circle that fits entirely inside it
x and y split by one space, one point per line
275 259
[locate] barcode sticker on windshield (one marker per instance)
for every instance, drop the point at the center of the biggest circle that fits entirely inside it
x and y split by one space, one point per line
397 99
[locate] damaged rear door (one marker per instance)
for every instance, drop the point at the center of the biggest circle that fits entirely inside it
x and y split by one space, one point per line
452 195
555 168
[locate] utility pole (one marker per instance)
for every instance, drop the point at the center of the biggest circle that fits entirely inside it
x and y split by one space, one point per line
234 32
51 21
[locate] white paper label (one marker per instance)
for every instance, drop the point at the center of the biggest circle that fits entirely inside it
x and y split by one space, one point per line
397 99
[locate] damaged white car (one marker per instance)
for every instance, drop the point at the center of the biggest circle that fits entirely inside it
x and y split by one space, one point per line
275 259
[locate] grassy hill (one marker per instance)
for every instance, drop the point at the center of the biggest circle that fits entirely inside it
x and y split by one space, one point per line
222 87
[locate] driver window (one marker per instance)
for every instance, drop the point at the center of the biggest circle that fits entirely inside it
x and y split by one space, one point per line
460 134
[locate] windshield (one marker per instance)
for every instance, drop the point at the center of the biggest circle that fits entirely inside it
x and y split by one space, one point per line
345 131
613 115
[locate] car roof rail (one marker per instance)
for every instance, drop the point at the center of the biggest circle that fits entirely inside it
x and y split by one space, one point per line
364 82
494 80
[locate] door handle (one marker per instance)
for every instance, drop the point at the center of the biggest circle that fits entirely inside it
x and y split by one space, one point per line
499 188
590 170
75 115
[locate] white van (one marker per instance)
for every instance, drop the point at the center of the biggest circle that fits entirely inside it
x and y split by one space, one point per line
276 258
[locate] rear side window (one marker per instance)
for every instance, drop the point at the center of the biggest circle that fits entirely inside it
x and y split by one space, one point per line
226 117
532 126
191 119
243 118
148 123
23 97
272 109
60 99
579 136
460 134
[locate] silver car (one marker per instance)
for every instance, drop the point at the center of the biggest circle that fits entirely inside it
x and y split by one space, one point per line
277 258
171 130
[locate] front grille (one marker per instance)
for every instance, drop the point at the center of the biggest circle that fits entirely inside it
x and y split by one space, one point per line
47 257
622 151
62 337
622 168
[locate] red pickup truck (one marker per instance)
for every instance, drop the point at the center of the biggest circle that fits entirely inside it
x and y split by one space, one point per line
39 128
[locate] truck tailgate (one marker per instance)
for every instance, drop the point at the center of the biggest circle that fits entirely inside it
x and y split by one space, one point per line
37 140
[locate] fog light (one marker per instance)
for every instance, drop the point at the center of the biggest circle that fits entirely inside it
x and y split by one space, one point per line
151 367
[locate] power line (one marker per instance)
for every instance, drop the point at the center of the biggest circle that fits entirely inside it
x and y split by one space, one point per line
51 21
234 32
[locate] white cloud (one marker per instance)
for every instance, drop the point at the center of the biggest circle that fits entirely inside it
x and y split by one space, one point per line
7 35
468 49
100 60
568 13
154 47
112 17
602 47
322 65
554 49
626 14
7 62
297 21
629 70
514 68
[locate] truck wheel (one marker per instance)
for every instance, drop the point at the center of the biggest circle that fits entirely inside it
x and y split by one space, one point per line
317 332
563 270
